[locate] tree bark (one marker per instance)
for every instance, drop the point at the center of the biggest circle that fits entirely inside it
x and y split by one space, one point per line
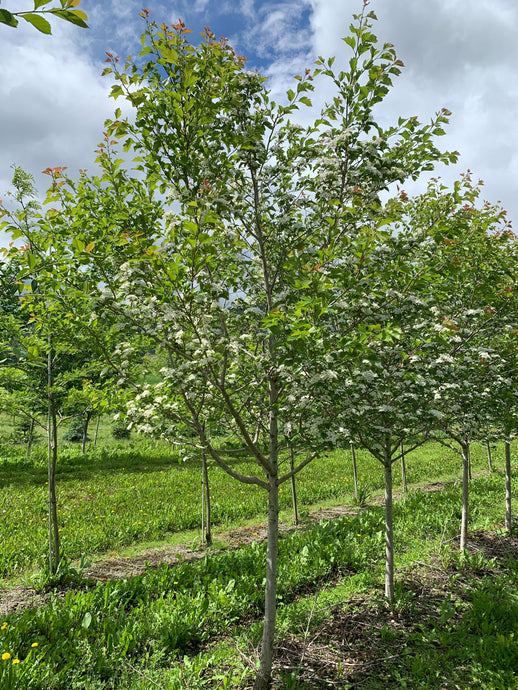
403 468
389 531
469 464
88 417
263 678
508 507
465 495
293 488
355 473
489 459
206 534
264 674
52 438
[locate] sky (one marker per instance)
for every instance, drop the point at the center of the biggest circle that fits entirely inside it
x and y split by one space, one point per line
458 54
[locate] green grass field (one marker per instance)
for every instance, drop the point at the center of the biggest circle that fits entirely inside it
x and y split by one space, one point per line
125 493
197 625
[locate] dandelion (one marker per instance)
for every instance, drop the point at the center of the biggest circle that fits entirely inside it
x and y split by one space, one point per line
16 661
4 626
358 535
34 644
6 656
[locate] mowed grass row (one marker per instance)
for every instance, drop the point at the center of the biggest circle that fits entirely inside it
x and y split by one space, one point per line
123 494
183 626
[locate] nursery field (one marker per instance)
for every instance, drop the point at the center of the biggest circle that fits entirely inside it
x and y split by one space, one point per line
454 622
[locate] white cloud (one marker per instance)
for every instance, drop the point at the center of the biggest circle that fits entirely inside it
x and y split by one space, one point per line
461 55
53 102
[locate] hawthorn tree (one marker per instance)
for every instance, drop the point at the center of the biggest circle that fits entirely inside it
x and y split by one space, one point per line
478 296
233 243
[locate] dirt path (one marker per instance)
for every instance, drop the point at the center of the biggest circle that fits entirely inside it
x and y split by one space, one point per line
19 597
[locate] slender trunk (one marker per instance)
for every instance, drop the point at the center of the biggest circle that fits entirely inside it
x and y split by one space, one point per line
263 678
52 436
403 468
88 417
489 459
389 531
293 488
30 439
508 512
264 674
465 495
97 429
469 464
206 533
355 473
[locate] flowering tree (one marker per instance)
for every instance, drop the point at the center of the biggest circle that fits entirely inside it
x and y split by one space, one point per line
236 284
478 311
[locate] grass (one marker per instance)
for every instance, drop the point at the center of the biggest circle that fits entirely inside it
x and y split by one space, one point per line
122 494
197 625
454 622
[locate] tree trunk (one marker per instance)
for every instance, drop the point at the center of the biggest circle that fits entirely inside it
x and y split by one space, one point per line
489 459
403 468
30 439
389 532
52 438
469 464
97 429
355 473
465 495
88 417
508 512
206 533
263 678
293 488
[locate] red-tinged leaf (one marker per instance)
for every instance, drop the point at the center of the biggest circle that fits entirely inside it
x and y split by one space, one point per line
38 22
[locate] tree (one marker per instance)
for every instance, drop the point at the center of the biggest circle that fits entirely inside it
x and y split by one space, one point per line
263 219
67 11
478 310
43 351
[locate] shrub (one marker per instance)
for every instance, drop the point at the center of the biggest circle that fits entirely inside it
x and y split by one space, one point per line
75 431
120 429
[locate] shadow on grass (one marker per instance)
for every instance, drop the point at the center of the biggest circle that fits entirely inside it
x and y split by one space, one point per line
113 460
449 628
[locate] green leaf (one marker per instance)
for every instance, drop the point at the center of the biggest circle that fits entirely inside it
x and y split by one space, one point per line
86 620
306 101
40 3
8 18
116 91
72 16
38 22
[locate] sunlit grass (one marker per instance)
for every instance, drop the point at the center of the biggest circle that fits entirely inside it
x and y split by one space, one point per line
125 493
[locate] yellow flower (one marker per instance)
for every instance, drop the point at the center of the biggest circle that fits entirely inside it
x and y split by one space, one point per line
4 626
16 661
6 656
34 644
